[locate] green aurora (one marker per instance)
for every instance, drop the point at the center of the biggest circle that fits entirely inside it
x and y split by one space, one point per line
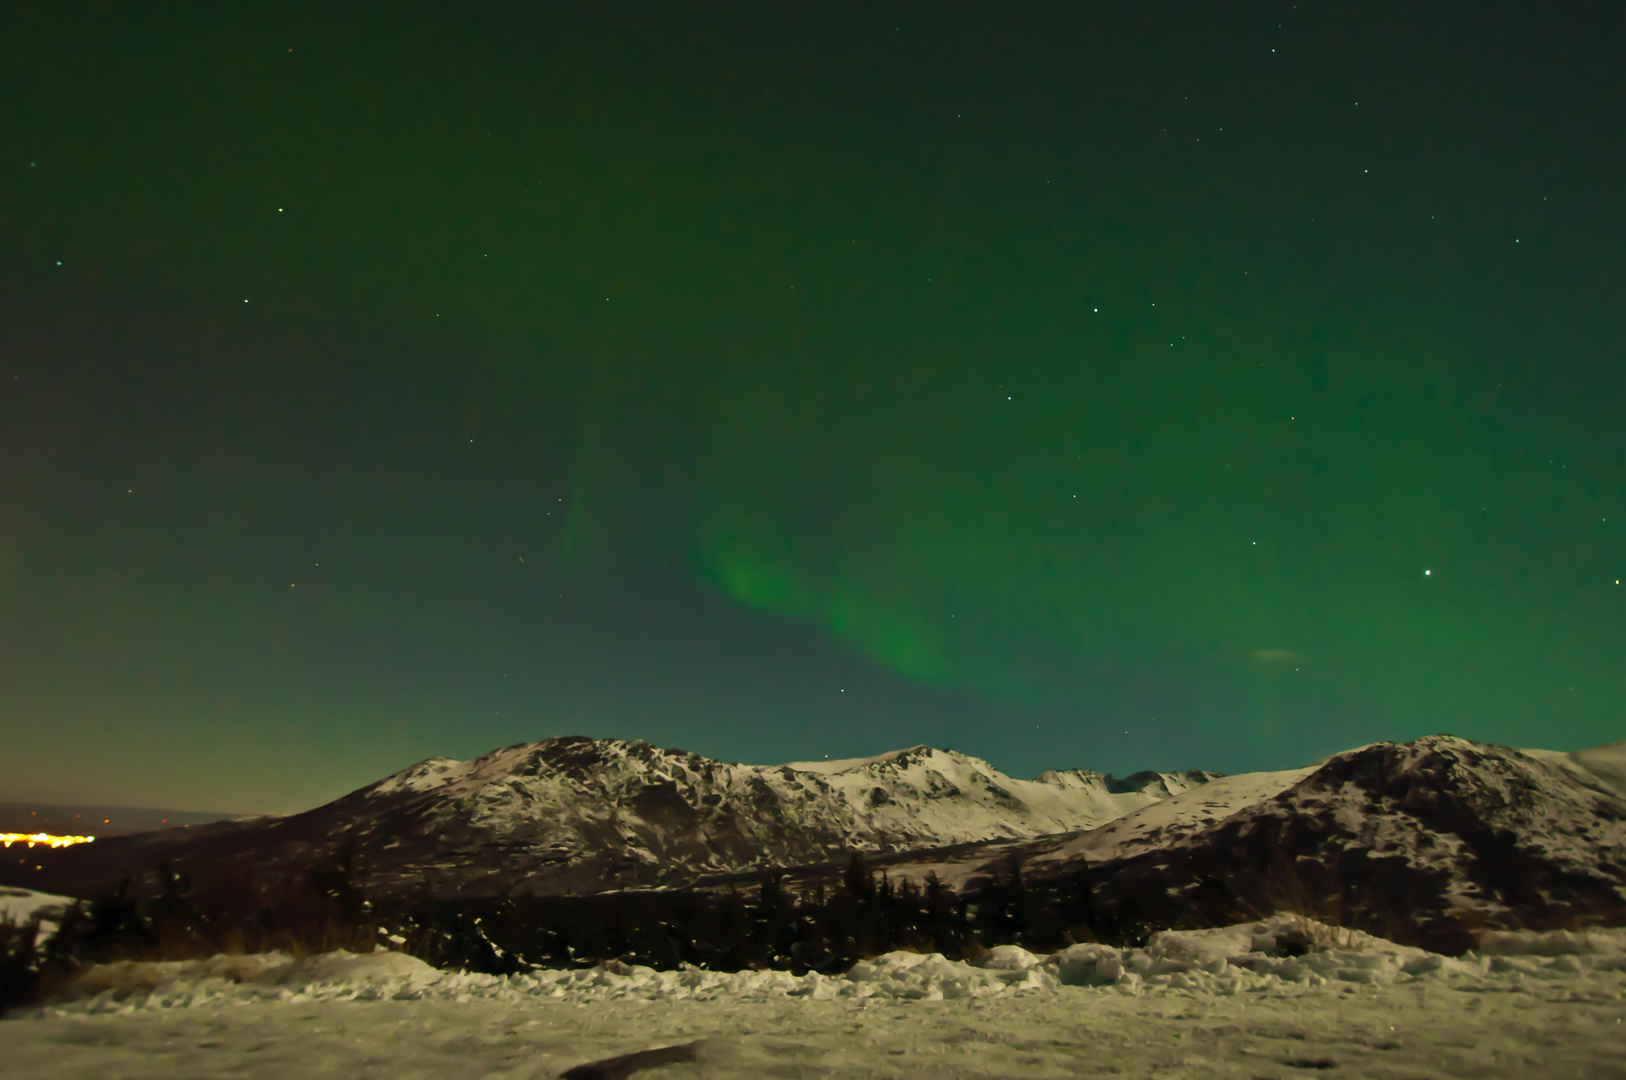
1089 388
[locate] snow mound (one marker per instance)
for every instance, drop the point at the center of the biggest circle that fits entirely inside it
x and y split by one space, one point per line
1009 958
1610 942
23 905
1282 954
20 905
325 975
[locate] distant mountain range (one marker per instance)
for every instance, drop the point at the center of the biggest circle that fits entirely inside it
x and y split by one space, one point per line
575 814
1430 840
1438 836
80 820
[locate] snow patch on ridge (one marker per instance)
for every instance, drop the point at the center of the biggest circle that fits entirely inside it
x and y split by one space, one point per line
827 766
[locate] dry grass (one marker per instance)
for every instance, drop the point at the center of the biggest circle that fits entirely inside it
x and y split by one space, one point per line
1314 935
126 978
1286 890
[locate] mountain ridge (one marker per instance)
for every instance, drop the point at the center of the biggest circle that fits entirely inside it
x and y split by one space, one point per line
572 813
1434 839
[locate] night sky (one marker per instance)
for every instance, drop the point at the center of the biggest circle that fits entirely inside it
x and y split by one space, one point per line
1097 385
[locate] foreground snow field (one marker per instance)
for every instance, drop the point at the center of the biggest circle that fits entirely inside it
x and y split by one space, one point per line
1218 1003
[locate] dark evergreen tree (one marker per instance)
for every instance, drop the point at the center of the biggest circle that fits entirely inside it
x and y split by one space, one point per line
19 963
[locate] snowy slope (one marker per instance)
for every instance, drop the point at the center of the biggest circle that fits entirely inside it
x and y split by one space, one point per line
1429 840
1432 839
1607 763
1599 765
1185 814
1155 825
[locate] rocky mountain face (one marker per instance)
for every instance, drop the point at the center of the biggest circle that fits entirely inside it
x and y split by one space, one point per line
577 815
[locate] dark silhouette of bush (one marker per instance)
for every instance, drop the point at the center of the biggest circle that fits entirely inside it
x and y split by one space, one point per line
112 926
19 963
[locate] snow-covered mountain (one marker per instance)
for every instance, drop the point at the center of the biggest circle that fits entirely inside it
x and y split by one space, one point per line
580 814
606 811
1434 839
1429 839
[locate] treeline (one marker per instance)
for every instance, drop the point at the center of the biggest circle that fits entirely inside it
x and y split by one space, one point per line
162 917
823 927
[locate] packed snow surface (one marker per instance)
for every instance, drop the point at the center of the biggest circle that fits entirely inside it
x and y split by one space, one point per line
1264 999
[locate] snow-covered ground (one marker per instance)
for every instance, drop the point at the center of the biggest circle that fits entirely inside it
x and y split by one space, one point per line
1231 1002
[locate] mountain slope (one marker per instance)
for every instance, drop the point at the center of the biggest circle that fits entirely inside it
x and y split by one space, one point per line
1430 841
